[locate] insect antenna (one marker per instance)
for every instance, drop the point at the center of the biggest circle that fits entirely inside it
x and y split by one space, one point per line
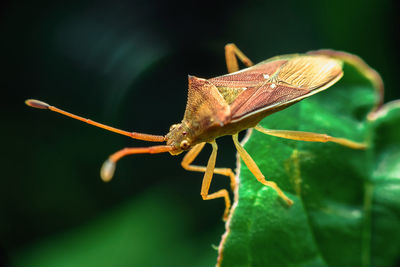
140 136
108 168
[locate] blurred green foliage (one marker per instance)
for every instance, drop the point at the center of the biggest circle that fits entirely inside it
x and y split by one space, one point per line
125 63
144 232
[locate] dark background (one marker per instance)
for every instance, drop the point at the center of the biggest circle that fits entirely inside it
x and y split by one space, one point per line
125 63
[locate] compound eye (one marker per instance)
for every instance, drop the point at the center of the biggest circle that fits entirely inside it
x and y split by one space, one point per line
184 145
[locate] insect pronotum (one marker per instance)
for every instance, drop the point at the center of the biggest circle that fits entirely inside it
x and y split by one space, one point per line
234 102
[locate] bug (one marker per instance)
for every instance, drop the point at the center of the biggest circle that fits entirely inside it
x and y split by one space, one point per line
228 104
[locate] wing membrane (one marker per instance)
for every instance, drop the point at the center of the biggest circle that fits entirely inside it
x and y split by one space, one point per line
309 72
294 79
249 77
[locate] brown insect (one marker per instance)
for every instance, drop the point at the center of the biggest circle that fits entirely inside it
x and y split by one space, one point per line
234 102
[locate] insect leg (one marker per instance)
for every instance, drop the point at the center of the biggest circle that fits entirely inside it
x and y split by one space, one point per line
191 156
207 182
231 52
256 171
311 137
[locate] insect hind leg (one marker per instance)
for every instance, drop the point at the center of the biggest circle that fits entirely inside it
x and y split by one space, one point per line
231 55
311 137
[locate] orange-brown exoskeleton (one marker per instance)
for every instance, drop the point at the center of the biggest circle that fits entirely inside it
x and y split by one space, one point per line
234 102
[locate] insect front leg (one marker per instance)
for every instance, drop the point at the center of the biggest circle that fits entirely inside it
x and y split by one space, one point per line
311 137
256 171
205 187
191 156
231 52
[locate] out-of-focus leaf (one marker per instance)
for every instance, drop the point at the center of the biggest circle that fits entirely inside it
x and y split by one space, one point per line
346 202
145 232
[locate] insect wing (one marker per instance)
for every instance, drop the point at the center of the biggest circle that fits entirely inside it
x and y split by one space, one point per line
265 97
238 84
295 79
249 77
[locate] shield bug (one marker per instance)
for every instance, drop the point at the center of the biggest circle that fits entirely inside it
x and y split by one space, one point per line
237 101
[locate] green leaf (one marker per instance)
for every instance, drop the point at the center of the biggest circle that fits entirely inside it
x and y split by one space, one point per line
346 207
147 231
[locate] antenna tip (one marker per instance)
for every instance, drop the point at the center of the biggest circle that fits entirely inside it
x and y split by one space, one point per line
36 104
107 170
